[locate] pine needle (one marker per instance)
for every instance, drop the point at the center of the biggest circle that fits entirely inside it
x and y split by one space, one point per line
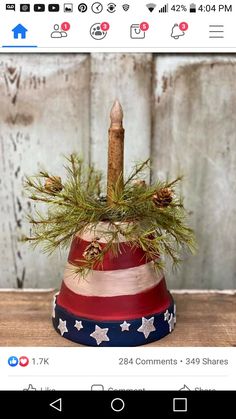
82 203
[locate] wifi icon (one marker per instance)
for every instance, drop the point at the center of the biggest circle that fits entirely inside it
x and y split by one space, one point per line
125 7
151 6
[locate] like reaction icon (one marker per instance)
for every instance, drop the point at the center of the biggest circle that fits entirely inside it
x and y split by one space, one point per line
13 361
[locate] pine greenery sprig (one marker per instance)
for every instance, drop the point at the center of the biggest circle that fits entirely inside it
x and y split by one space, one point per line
79 203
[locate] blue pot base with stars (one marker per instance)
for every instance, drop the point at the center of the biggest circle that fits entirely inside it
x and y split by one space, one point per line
117 333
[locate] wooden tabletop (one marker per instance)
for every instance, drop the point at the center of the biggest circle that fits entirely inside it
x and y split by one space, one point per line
203 319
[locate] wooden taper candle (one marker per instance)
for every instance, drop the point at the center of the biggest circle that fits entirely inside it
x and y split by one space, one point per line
115 151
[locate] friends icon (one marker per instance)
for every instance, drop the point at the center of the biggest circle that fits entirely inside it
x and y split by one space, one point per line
60 31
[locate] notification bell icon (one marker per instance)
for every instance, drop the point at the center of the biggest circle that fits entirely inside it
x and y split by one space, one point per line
176 32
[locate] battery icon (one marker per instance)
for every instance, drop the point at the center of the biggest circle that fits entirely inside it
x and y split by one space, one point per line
192 8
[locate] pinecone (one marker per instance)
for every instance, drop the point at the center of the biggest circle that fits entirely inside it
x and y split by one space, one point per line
140 183
163 197
92 250
53 184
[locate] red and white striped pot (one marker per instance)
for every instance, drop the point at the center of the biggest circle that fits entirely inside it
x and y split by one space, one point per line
121 302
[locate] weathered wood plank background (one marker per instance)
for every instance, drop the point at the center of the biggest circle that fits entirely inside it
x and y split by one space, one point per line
178 109
26 320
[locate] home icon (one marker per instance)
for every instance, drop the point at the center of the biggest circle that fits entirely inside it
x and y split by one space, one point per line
19 31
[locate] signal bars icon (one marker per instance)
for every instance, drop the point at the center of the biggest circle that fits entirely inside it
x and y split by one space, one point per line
164 9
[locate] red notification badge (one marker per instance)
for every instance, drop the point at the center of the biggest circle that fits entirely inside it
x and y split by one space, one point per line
105 26
183 26
23 361
65 26
144 26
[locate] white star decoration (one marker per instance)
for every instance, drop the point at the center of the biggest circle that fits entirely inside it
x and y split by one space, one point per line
54 305
174 313
100 335
78 325
62 326
166 316
125 326
147 326
171 322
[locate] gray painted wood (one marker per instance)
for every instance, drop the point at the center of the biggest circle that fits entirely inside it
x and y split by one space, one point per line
178 109
195 134
44 115
128 78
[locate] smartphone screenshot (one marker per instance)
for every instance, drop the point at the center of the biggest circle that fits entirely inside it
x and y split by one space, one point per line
118 207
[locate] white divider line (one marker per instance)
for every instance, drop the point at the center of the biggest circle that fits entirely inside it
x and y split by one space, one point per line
189 291
27 290
185 291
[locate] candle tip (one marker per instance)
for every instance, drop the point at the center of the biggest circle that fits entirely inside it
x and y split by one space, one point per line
116 115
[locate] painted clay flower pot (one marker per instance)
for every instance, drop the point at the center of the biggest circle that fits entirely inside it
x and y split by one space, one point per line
121 302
